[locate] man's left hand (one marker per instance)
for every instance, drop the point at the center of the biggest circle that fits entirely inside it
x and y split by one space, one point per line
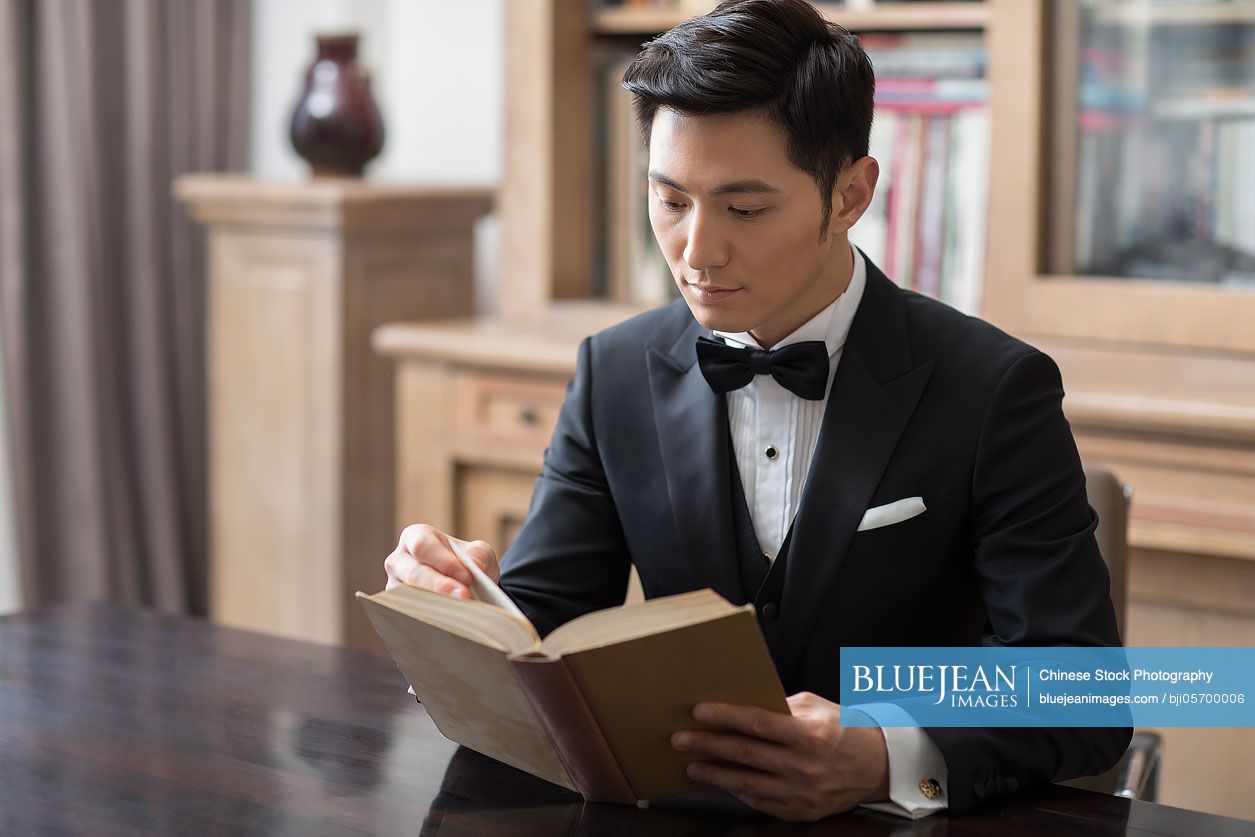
803 766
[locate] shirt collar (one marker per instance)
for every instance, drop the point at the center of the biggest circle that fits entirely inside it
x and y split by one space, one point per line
831 325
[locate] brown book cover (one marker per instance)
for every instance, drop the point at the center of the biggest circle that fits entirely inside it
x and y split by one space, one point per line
593 706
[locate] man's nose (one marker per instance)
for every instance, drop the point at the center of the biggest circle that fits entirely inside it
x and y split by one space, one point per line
705 248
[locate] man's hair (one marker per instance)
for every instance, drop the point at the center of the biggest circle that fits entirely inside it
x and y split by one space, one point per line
778 59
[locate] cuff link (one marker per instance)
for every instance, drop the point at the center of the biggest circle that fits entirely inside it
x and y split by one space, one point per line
931 788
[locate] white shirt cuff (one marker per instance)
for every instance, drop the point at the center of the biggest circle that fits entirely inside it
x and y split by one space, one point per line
918 778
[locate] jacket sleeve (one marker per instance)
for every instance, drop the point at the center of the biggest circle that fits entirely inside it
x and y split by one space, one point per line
1042 580
570 557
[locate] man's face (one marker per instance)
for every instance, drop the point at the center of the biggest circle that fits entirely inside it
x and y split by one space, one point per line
740 225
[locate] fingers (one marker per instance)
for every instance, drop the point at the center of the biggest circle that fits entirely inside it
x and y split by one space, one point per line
404 569
751 721
430 546
739 749
429 579
424 558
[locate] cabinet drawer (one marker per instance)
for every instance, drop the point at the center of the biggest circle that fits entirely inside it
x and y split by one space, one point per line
505 415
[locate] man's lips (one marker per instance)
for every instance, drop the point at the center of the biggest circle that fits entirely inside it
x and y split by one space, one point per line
710 293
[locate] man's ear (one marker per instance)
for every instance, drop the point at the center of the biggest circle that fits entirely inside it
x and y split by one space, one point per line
852 193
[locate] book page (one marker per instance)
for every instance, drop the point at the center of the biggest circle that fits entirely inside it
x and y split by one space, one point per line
619 624
474 620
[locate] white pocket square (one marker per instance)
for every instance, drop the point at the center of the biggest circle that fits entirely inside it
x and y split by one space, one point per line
891 513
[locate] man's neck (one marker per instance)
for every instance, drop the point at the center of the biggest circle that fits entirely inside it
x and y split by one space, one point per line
819 296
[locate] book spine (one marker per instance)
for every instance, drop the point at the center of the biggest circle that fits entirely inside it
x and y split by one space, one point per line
570 724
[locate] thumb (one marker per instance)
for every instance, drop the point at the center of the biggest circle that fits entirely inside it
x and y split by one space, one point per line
802 704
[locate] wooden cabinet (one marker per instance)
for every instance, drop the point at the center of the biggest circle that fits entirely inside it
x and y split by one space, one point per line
1159 372
474 414
1075 82
1167 360
301 410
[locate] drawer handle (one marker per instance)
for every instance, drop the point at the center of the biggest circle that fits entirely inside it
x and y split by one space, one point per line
528 415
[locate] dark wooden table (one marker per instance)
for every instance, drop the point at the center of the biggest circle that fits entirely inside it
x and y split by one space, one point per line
117 721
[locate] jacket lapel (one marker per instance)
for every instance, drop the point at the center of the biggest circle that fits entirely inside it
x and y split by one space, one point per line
692 425
874 393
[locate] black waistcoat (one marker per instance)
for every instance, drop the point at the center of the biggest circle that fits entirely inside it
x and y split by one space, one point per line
762 580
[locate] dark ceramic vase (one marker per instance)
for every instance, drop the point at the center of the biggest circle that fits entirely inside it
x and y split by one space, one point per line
336 126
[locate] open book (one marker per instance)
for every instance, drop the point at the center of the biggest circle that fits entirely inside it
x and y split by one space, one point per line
593 706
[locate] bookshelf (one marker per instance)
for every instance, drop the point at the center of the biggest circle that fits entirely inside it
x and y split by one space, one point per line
1116 245
1035 195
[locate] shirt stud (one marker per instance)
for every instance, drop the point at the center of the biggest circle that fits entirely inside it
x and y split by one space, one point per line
771 452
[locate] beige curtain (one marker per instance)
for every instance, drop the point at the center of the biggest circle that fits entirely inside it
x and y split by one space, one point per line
102 301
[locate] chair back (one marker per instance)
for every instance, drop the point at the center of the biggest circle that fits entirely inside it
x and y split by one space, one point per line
1136 776
1110 500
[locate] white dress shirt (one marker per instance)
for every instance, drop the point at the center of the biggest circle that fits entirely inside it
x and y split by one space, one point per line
774 434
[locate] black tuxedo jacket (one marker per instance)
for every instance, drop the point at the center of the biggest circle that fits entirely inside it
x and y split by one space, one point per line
925 402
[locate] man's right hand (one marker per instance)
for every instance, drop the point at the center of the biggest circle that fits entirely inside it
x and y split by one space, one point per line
424 558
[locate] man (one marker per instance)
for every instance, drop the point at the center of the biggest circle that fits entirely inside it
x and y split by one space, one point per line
688 450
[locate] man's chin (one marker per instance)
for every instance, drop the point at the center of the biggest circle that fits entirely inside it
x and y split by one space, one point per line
715 320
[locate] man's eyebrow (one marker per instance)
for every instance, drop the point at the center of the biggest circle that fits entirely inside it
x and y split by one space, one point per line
739 187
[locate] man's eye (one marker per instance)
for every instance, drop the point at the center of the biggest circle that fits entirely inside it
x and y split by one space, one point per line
745 213
673 206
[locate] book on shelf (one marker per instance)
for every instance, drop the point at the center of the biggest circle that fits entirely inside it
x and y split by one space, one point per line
925 226
593 705
926 55
1168 200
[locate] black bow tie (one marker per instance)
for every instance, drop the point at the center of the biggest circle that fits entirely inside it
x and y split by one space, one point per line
801 368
